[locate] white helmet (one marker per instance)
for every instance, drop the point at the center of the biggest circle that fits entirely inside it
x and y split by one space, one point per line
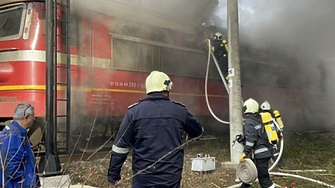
217 36
265 105
250 106
157 82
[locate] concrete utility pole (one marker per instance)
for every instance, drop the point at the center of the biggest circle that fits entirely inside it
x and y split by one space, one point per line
49 145
49 163
235 98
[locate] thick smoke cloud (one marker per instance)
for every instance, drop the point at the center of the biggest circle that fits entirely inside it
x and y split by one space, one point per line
301 30
187 12
302 25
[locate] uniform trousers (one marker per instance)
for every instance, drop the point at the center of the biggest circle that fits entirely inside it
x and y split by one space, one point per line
136 184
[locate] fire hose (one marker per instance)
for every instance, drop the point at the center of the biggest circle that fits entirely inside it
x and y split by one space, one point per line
301 177
210 53
279 155
206 82
248 172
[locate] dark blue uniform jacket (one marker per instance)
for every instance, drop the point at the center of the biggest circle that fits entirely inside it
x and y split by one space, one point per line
254 135
219 49
154 127
221 54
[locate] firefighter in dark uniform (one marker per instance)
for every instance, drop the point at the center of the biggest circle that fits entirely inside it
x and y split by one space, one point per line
255 144
266 107
153 127
220 51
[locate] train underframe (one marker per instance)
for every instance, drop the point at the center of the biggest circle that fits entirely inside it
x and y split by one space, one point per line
89 134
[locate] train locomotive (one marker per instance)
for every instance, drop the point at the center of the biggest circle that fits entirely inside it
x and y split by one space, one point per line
109 63
110 58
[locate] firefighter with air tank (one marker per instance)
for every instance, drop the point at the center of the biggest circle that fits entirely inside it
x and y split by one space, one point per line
257 146
220 51
276 119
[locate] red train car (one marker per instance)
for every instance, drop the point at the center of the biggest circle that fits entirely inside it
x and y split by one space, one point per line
111 55
110 60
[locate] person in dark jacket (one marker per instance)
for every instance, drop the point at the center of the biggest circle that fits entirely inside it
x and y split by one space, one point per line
17 158
153 127
220 51
255 144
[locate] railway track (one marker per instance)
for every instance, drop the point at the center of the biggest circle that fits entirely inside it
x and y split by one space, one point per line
65 158
88 155
83 157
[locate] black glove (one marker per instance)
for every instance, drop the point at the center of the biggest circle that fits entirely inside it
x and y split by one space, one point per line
240 139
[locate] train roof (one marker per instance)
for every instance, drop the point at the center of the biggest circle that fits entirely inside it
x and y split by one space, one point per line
3 2
185 16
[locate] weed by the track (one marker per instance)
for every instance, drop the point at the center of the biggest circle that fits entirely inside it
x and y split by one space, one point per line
306 152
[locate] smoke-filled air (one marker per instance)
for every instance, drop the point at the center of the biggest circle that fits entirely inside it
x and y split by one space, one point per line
286 45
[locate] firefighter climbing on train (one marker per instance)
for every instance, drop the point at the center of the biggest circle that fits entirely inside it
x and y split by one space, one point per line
275 117
256 145
220 51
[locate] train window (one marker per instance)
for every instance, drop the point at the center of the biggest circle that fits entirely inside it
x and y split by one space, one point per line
172 61
135 56
147 56
190 64
124 54
11 22
201 65
213 72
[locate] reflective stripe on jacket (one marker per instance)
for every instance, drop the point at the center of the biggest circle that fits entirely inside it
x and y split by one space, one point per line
153 127
254 140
